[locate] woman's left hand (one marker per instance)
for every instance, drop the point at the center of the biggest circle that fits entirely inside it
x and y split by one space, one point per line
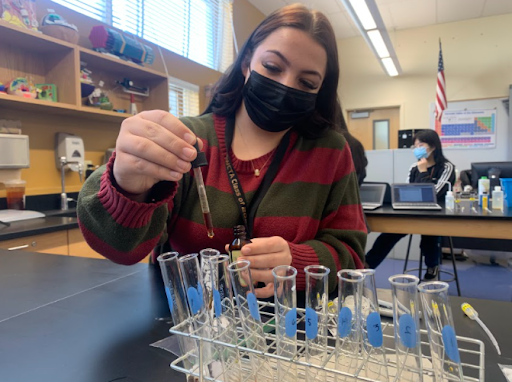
264 254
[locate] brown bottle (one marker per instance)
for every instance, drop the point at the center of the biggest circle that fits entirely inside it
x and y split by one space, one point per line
235 248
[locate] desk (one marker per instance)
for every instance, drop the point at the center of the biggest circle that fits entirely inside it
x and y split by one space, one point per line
494 225
86 320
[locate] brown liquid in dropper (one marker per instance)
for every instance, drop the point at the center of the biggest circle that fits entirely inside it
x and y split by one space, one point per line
207 217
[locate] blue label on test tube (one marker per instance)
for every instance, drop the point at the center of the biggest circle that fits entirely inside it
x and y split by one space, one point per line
194 300
253 306
290 322
311 323
217 303
374 329
450 343
407 331
169 298
344 322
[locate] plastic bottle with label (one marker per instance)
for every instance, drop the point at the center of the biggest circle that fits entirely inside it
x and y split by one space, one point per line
497 198
483 186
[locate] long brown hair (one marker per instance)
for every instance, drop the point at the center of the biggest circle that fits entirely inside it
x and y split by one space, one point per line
227 93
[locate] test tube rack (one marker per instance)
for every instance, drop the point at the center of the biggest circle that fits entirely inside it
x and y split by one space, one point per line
472 353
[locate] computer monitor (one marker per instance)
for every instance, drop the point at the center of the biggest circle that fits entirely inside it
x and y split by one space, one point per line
480 169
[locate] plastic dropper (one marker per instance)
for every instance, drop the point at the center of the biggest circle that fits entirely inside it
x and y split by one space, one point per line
197 163
473 314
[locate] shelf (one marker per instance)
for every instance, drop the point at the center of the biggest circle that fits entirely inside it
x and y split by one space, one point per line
36 105
119 66
59 108
103 115
30 40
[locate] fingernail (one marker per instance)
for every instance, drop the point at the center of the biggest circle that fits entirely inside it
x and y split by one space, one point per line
175 175
188 152
189 138
182 165
246 250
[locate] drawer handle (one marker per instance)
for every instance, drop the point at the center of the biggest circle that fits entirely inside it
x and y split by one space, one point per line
19 247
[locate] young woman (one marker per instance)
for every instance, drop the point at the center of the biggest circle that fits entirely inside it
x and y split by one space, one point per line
431 167
269 129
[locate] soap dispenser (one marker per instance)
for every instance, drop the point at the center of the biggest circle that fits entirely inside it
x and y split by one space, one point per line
70 147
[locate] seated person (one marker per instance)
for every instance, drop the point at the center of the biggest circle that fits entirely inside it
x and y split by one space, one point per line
432 167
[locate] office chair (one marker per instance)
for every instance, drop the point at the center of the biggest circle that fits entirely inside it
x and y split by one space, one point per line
454 276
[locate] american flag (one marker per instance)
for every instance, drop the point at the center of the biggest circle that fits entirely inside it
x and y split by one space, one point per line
441 87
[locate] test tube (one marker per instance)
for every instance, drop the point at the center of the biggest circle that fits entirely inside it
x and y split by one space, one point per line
375 354
348 340
251 320
177 301
194 287
285 298
407 328
438 318
208 275
223 320
317 293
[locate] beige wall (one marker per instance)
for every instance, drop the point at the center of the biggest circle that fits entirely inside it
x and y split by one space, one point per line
246 18
478 64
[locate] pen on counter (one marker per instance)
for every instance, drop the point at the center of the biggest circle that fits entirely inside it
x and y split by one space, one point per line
473 314
197 163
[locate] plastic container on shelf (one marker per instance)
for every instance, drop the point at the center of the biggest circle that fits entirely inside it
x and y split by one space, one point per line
506 186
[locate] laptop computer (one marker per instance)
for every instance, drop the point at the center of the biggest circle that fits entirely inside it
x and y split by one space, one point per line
372 195
414 196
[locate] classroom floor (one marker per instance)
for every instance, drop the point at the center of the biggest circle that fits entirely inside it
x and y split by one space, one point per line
478 280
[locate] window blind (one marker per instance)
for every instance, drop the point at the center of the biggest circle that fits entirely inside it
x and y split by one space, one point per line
183 98
197 29
97 9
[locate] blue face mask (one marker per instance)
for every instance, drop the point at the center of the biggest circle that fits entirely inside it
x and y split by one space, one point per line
420 152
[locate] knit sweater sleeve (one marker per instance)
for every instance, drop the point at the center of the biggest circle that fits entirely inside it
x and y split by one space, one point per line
117 227
341 239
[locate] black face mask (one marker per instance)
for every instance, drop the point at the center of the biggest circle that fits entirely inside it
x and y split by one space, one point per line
273 106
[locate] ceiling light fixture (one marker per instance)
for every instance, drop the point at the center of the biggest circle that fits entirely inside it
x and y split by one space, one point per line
366 16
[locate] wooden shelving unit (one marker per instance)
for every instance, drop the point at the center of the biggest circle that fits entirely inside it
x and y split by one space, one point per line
44 59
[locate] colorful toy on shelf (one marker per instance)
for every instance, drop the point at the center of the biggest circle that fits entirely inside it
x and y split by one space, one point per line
19 12
86 82
55 26
3 88
99 98
108 40
22 87
47 92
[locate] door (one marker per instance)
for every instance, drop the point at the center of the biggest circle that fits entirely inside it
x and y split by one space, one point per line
376 129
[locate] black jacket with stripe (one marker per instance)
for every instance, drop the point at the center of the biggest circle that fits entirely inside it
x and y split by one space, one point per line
440 174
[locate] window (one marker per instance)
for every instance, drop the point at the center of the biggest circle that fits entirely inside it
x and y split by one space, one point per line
183 98
197 29
381 134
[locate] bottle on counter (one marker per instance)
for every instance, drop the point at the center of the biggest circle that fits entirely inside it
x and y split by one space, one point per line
449 201
485 201
484 185
235 248
497 198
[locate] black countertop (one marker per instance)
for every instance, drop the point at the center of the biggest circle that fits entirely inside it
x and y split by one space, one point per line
388 211
79 319
82 320
55 220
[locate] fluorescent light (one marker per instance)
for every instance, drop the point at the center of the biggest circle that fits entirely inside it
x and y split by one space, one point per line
378 43
390 66
363 12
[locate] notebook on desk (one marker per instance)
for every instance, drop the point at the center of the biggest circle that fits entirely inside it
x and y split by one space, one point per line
372 195
414 196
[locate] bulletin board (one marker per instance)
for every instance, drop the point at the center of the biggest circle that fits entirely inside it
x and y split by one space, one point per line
467 129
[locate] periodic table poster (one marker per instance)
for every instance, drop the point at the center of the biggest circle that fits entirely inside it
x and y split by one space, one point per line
467 129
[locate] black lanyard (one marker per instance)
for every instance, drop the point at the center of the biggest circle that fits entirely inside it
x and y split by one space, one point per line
249 212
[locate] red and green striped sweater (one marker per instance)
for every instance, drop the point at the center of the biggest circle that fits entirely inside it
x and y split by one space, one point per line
313 203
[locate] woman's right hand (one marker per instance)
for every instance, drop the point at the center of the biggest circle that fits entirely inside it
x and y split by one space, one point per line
152 146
